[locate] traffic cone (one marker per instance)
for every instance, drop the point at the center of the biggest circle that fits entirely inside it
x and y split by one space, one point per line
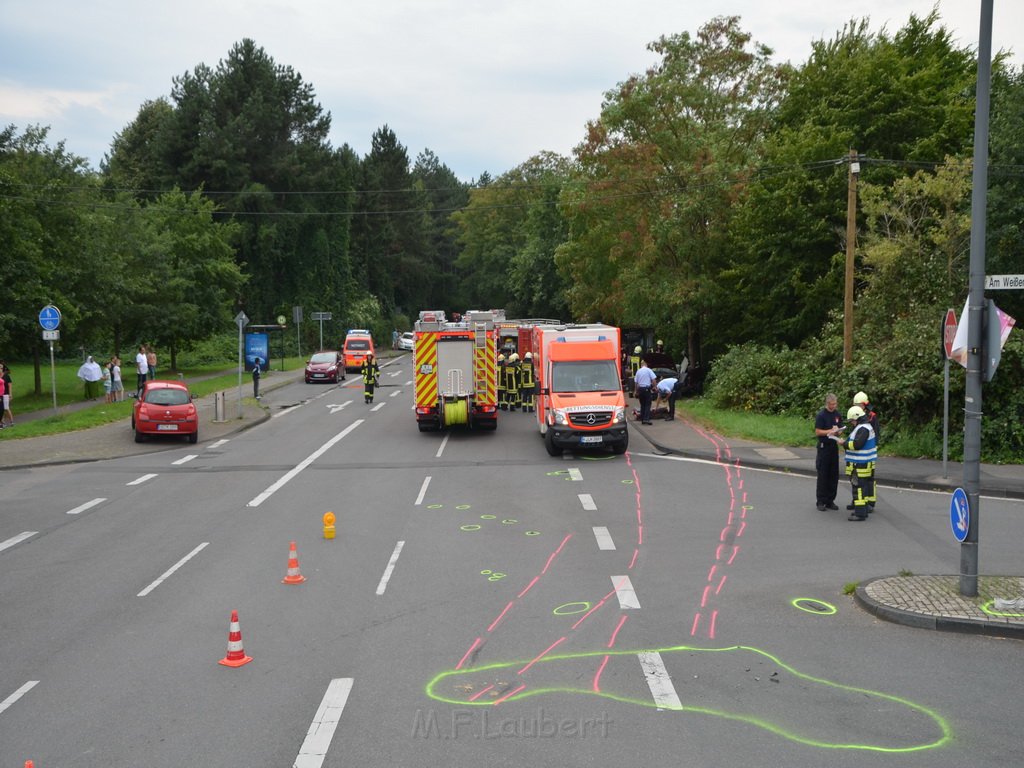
236 656
293 576
29 764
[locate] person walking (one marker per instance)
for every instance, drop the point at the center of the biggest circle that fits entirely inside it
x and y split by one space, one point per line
527 383
828 425
141 370
371 373
90 374
257 372
643 385
861 455
6 414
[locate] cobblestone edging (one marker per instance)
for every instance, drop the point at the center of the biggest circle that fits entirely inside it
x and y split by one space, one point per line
935 602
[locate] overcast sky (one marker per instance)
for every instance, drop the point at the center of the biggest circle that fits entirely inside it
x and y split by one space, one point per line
484 84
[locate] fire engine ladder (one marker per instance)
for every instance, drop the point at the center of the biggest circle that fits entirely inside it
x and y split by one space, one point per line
480 352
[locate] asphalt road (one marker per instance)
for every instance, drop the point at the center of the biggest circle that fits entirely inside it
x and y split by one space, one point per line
481 604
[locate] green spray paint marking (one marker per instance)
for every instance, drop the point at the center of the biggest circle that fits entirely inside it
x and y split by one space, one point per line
434 506
987 608
812 605
564 609
493 575
469 528
533 533
941 733
463 506
509 521
488 517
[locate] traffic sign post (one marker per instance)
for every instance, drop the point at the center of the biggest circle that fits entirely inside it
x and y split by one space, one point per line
948 334
321 316
241 320
49 321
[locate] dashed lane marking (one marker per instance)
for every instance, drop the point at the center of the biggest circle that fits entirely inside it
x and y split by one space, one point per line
82 507
18 694
588 502
141 480
624 591
658 680
185 459
172 569
391 567
17 539
325 723
604 539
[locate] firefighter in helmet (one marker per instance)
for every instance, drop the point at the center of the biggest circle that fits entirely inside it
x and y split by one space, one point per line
502 399
527 383
371 374
512 381
861 454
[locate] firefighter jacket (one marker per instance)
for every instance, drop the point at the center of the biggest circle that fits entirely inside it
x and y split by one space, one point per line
861 446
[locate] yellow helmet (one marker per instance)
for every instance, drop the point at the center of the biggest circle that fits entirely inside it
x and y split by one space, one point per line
637 350
861 398
855 413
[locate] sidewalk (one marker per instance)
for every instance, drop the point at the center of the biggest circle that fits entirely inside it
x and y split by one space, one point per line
933 601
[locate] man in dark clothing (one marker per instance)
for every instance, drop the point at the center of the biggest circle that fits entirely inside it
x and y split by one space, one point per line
827 426
256 372
371 373
643 386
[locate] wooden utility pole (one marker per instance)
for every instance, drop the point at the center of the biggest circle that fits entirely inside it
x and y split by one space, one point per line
851 243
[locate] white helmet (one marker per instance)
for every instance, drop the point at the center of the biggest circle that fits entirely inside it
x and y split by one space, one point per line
861 398
501 358
855 413
528 356
514 358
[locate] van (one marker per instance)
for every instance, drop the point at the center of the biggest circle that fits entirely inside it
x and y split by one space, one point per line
357 347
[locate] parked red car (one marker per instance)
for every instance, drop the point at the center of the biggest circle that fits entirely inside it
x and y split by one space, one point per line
325 366
165 408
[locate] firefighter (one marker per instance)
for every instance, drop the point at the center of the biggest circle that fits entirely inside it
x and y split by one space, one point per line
861 455
634 360
502 401
527 383
861 399
371 373
512 371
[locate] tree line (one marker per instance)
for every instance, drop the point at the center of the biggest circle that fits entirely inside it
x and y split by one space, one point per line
707 201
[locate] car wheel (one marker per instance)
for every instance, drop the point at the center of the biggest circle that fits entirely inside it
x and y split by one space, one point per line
549 443
194 437
139 437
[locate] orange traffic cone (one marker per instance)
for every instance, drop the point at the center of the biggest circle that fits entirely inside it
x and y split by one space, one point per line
29 764
293 576
236 656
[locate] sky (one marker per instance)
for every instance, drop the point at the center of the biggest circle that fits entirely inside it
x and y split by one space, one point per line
483 84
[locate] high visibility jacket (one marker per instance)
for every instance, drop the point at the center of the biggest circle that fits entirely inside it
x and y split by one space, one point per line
370 371
868 450
512 377
526 380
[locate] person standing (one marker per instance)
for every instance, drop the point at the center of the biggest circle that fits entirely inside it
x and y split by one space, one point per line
502 395
827 426
862 399
527 383
257 372
3 398
861 455
512 377
371 373
6 415
116 385
151 362
108 381
90 374
141 370
643 385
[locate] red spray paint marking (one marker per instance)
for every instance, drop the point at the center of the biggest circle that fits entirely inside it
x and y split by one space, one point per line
597 677
495 622
480 693
466 655
509 695
528 586
550 648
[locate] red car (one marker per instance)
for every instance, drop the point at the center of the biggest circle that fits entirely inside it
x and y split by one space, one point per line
325 366
165 408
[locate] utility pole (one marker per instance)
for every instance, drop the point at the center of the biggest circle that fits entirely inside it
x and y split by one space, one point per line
975 310
851 245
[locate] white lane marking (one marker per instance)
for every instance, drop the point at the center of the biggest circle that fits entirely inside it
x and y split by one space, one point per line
440 449
17 539
302 465
392 374
87 505
624 591
658 680
141 480
575 474
172 569
396 393
391 566
335 407
423 490
325 723
604 539
18 694
587 501
218 444
407 384
377 407
185 459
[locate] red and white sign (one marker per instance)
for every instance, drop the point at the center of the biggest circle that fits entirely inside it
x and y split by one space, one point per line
949 332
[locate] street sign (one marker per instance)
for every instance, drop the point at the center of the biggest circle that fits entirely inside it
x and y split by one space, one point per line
1003 282
49 318
241 320
320 315
296 314
959 514
949 332
51 335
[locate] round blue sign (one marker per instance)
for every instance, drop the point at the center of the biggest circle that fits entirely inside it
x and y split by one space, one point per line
959 514
49 318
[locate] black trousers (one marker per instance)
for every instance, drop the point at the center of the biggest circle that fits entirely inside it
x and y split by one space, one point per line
644 396
827 464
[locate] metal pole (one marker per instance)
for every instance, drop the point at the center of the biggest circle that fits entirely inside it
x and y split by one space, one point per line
53 378
976 307
945 420
851 243
321 333
241 366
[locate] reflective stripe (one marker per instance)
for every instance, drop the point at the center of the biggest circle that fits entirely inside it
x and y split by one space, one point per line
867 453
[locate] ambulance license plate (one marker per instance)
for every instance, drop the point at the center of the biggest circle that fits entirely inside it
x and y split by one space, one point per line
590 439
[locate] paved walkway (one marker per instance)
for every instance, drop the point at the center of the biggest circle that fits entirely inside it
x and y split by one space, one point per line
930 601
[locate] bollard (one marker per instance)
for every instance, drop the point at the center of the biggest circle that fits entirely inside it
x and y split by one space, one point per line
219 407
329 525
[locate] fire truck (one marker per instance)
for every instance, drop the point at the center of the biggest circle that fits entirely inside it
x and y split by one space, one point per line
455 365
